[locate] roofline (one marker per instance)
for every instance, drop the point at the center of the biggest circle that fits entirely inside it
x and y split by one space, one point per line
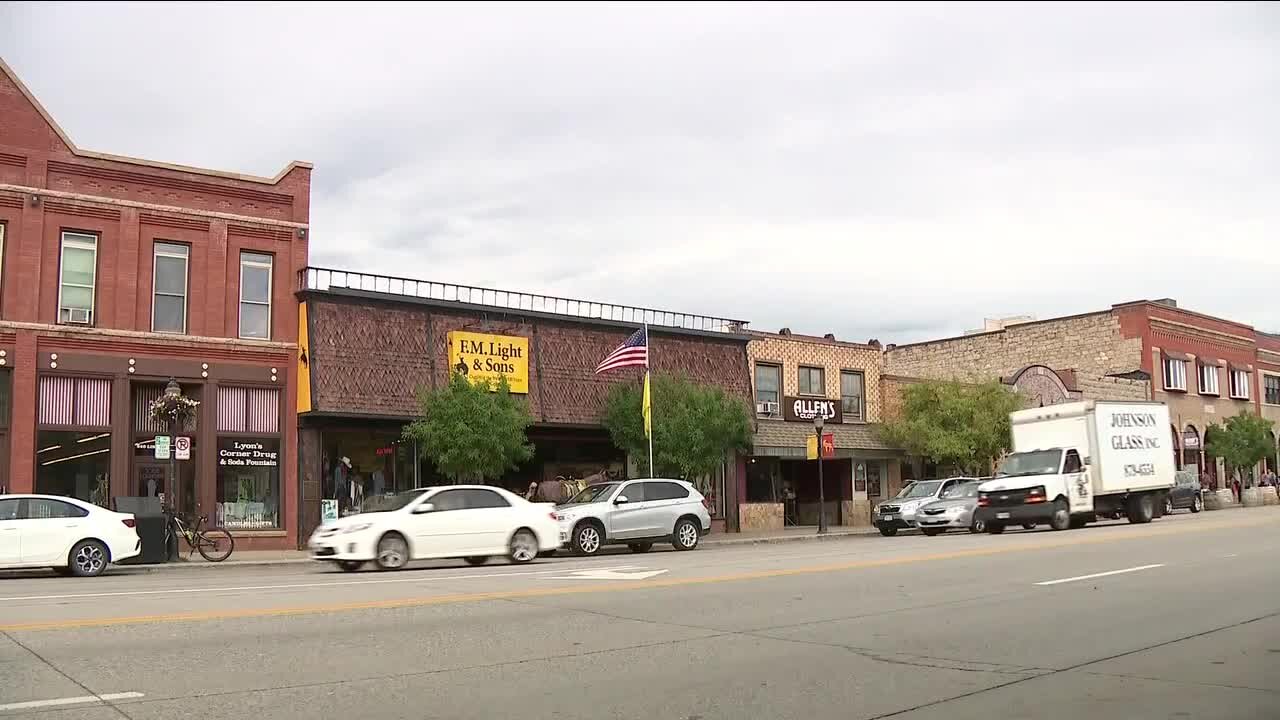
1001 330
94 155
816 340
1185 311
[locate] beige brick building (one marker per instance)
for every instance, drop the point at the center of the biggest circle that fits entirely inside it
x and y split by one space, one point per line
795 377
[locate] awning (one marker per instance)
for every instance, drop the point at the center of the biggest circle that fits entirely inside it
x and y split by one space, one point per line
1213 362
1176 355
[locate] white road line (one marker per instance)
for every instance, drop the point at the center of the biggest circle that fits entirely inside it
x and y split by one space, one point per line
71 701
1101 574
334 583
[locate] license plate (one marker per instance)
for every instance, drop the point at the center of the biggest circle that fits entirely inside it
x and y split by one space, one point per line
1002 516
888 518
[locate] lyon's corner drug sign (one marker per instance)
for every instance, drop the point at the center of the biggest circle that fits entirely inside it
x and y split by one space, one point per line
490 357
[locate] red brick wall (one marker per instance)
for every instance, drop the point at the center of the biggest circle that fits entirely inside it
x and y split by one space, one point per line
368 358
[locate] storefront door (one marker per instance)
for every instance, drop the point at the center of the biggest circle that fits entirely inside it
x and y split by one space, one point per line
151 479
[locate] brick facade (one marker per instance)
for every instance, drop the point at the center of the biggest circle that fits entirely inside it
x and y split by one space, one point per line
49 186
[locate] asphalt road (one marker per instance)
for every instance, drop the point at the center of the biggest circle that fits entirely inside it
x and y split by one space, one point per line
950 627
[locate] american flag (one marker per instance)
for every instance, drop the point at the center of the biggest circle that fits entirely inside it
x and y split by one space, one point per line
635 351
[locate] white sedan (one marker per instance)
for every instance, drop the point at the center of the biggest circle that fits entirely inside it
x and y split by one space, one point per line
69 535
474 522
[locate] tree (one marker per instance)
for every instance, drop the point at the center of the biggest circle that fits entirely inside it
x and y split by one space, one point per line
1241 442
694 425
953 424
472 431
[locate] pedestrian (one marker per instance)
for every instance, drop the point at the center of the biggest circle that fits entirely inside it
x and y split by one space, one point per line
532 493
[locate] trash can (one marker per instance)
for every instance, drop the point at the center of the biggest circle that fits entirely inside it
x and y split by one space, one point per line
151 524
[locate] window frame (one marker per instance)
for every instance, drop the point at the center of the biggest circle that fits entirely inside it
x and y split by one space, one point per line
75 510
1239 384
822 378
480 492
157 253
18 509
623 490
435 506
2 228
1266 392
1066 457
78 236
1165 371
777 391
859 415
664 483
1202 372
271 270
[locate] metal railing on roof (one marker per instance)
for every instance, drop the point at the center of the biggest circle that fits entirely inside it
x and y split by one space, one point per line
326 279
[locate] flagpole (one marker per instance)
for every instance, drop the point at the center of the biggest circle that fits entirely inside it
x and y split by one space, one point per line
647 355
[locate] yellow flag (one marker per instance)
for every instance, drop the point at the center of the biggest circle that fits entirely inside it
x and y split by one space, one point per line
648 413
811 447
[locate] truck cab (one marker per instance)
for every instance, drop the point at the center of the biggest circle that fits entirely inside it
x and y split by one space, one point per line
1044 486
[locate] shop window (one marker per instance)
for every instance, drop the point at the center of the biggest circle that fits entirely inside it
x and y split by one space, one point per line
1 255
1239 384
74 464
6 398
1271 387
82 402
812 381
248 410
1175 374
851 394
78 274
248 483
768 386
255 296
361 465
169 291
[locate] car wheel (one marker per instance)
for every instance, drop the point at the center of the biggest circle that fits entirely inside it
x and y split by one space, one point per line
1061 518
477 560
350 565
523 547
1168 506
888 531
587 539
1028 526
640 547
393 552
978 526
685 536
1197 505
1141 509
88 559
994 528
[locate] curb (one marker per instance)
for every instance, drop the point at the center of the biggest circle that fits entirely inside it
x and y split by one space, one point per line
776 539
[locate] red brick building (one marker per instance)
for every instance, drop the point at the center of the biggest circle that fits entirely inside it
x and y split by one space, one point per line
117 274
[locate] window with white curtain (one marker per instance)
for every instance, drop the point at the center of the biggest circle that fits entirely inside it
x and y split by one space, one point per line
1239 384
169 291
255 296
77 277
1175 374
1208 379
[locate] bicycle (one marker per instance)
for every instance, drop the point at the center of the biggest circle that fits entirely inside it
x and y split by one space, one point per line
214 544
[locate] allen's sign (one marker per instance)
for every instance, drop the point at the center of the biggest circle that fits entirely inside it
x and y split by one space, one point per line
805 409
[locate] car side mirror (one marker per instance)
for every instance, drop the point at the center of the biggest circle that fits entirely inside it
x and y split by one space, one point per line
424 508
621 500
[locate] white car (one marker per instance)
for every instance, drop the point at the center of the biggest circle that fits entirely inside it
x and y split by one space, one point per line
474 522
69 535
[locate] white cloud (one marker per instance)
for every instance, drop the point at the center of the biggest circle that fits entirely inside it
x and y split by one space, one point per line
877 171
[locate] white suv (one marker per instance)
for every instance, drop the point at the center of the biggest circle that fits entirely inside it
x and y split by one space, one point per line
636 513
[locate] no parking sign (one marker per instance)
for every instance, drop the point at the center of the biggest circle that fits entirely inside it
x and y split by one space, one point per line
182 448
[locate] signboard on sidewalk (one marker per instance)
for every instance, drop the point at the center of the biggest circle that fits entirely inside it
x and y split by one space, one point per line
182 448
162 447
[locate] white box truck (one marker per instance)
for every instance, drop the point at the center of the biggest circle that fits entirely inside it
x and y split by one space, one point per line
1076 462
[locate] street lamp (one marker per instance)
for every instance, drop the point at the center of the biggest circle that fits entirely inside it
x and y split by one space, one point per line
171 391
822 493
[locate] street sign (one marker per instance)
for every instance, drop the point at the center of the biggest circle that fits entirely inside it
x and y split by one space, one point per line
162 447
182 447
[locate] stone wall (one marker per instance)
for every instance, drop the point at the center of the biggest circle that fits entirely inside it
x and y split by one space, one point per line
754 517
1093 346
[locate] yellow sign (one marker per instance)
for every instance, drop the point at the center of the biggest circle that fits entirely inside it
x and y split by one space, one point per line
490 357
304 362
811 447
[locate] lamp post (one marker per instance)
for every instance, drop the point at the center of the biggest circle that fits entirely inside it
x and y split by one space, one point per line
822 494
173 390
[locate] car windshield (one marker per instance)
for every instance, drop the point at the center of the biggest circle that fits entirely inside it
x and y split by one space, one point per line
962 490
1037 462
592 493
921 490
391 503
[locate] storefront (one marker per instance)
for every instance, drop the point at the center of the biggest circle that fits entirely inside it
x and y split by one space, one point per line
371 343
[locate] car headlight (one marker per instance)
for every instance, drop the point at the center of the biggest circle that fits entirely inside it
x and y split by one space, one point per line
357 528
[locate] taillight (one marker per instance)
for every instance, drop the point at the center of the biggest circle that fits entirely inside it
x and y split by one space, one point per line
1036 495
706 503
129 522
983 500
554 516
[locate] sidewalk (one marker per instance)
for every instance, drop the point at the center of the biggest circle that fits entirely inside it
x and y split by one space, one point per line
250 558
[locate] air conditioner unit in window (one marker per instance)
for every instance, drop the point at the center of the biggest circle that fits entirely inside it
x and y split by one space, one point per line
766 408
78 316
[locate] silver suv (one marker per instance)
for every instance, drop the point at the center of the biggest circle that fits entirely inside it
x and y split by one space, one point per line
637 513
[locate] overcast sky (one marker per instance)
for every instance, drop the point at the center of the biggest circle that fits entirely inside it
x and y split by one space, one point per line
896 172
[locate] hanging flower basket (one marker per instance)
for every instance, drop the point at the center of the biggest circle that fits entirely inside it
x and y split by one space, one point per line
176 409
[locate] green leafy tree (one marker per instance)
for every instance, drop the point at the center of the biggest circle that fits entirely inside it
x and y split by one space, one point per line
1241 442
957 425
472 431
693 425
